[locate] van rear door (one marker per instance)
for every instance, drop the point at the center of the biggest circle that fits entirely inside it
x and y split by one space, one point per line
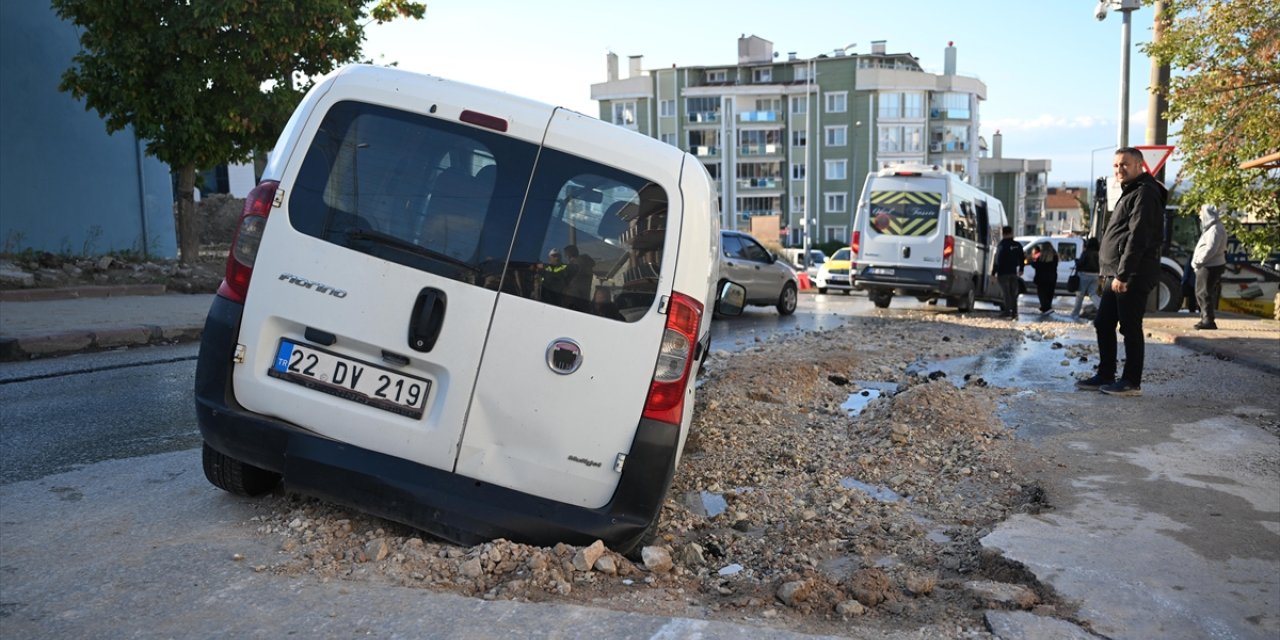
374 282
569 361
904 226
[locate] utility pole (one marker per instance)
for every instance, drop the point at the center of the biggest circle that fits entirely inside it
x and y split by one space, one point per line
1158 100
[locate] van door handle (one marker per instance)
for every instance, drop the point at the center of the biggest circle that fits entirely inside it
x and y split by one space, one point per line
427 319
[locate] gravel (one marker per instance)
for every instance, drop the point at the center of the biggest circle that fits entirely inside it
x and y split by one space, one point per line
787 510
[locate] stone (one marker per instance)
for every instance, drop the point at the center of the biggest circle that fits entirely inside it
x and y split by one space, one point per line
850 609
921 585
471 568
607 565
690 555
870 587
104 263
16 278
377 549
730 570
656 559
791 593
1003 593
586 557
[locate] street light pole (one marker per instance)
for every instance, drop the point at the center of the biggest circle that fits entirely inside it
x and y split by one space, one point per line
1126 9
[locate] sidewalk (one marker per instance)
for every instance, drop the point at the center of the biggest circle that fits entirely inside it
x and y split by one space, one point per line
54 322
42 323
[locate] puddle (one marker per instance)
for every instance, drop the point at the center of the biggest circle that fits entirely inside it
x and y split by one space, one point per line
868 390
883 494
1034 364
706 503
937 536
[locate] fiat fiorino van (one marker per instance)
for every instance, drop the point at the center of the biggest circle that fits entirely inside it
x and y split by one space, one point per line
464 311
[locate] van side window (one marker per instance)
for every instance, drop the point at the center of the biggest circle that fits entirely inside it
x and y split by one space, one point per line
966 222
609 229
411 189
1066 251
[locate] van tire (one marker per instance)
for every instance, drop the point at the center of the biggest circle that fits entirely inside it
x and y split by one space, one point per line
880 299
822 289
965 302
234 476
787 299
647 538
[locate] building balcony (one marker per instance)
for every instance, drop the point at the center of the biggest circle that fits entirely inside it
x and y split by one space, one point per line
759 183
759 116
950 114
703 151
704 117
759 149
948 147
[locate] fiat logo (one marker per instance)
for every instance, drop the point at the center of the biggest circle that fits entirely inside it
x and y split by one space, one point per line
564 356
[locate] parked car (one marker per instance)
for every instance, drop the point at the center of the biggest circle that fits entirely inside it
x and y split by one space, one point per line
464 311
769 281
796 258
835 274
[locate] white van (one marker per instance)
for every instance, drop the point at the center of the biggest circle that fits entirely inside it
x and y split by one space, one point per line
923 232
465 311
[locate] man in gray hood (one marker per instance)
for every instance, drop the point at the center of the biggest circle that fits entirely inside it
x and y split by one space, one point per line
1209 260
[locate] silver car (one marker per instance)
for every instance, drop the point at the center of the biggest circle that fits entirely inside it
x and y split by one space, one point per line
769 281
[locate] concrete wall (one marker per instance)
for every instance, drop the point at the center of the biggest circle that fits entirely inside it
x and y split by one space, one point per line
65 185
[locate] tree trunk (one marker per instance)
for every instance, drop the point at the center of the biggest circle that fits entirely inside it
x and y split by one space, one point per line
188 226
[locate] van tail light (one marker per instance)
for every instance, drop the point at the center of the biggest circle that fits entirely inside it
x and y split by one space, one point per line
244 246
675 359
948 249
854 247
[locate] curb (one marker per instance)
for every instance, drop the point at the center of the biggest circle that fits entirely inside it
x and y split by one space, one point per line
63 343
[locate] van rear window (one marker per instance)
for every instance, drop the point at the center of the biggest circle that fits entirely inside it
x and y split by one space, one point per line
447 198
905 213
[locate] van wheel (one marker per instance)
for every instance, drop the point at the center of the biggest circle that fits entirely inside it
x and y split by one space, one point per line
881 299
965 303
234 476
787 300
822 289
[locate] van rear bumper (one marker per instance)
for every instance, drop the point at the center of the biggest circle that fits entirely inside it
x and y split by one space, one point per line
909 280
456 508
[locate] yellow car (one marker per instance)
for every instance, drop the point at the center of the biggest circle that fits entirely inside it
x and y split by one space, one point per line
834 273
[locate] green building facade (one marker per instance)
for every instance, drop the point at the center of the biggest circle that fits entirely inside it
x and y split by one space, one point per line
796 137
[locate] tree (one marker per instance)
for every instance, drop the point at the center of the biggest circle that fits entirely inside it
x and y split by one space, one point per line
1225 94
207 83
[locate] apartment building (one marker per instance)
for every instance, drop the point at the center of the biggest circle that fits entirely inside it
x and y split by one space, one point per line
1062 211
1021 185
793 138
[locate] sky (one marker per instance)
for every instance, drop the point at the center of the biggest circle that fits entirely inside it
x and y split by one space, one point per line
1052 70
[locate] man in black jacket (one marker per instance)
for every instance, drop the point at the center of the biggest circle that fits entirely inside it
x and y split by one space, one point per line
1129 265
1008 270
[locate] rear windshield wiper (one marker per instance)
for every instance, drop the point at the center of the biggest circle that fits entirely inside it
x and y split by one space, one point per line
408 247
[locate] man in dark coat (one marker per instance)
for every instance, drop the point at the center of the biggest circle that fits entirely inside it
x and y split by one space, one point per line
1129 265
1007 268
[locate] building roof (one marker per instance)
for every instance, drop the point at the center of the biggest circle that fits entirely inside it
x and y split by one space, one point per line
1063 198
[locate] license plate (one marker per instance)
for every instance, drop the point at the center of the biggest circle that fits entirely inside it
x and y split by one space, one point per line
350 379
881 271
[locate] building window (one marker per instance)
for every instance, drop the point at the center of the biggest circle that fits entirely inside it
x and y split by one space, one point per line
987 182
837 136
890 105
800 104
717 75
949 138
836 169
890 139
913 105
802 72
702 110
704 142
762 75
797 204
669 138
838 233
624 114
837 101
797 170
954 106
667 108
913 139
835 202
799 137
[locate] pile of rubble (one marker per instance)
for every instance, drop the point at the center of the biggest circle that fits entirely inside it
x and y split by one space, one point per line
821 486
